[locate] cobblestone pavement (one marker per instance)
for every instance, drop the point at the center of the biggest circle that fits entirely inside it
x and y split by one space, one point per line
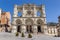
11 36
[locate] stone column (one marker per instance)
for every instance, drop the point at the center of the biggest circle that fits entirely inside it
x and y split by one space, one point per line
45 30
24 12
56 33
49 31
35 11
43 11
32 29
15 11
53 31
42 28
23 29
14 29
35 28
28 28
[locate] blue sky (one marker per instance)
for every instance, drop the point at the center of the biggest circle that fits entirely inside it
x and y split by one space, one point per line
52 7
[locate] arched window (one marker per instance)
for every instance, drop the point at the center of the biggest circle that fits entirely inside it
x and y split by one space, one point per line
39 23
38 14
19 14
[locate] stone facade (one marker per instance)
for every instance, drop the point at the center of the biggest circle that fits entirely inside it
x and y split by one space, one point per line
29 22
52 30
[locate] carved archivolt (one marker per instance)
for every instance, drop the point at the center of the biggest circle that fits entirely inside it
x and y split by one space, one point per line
39 21
29 21
18 21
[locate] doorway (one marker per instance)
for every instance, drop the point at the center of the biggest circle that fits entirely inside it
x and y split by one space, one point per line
29 29
39 28
19 28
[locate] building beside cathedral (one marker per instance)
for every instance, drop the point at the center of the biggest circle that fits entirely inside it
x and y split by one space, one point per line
54 30
5 21
30 22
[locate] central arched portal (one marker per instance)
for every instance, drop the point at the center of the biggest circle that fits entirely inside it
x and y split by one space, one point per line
29 28
19 28
18 23
29 25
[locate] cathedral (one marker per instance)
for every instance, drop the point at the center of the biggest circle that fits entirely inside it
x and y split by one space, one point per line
30 22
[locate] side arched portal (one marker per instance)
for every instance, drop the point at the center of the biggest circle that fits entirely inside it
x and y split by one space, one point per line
18 22
39 25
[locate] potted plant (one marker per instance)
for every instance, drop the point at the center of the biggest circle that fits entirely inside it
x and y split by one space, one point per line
22 35
17 34
29 35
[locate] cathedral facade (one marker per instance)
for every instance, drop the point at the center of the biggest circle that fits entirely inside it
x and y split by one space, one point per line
29 21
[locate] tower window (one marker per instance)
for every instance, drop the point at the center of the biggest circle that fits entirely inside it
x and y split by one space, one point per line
19 14
38 13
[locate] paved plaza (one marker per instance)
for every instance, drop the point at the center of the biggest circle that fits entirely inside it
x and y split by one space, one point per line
11 36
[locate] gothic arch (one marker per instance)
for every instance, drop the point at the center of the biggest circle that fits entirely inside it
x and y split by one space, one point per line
18 21
29 21
41 9
38 13
19 14
39 25
39 21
